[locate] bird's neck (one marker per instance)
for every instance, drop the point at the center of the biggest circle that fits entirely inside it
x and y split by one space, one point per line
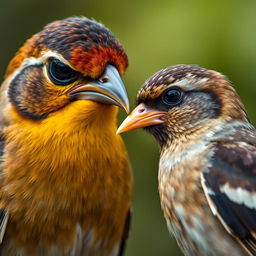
208 132
183 160
65 172
62 155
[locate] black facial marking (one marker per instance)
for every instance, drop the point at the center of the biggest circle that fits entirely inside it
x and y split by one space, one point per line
195 106
159 132
29 94
205 101
17 91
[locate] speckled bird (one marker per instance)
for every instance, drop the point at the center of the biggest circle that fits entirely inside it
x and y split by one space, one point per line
65 177
207 169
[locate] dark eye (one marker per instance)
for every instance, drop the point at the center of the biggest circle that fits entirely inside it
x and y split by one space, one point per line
60 73
172 97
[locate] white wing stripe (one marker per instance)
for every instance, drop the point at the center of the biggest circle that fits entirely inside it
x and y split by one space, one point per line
240 196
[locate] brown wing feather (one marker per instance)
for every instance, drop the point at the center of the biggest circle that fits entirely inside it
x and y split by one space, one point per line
230 187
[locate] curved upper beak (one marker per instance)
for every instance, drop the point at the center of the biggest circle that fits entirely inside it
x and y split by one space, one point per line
141 117
108 89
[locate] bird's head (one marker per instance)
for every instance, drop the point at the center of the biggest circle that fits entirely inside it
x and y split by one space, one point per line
70 61
181 100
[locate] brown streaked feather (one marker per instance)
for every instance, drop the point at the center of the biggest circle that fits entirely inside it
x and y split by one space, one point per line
85 43
242 133
232 172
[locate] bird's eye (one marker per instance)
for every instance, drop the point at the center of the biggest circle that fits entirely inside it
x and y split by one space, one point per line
60 73
172 97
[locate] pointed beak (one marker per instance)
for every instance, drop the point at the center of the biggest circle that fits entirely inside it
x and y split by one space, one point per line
108 89
141 117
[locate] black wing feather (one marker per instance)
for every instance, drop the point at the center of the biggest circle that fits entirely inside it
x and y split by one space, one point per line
125 233
3 212
230 187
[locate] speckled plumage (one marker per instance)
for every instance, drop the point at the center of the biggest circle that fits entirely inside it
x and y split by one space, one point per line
207 167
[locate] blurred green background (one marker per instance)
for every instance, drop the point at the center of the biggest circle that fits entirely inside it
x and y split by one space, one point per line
218 34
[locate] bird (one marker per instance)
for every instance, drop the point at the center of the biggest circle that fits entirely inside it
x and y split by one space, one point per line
66 180
207 166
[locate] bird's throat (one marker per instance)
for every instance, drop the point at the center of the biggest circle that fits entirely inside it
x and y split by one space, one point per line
58 160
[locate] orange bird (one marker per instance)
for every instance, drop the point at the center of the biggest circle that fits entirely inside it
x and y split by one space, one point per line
65 177
207 168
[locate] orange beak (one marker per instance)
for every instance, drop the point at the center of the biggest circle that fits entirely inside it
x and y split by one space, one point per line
140 117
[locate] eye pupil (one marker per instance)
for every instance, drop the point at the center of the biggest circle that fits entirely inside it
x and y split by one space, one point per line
60 73
172 97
